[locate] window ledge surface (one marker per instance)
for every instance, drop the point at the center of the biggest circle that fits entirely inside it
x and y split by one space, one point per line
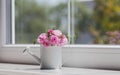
19 69
81 46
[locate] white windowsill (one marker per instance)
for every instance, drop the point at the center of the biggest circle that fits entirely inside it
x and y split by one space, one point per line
81 46
19 69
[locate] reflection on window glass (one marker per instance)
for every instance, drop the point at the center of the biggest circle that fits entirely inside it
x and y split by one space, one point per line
33 17
96 21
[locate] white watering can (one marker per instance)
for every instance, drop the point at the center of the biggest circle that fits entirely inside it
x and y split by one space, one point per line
50 57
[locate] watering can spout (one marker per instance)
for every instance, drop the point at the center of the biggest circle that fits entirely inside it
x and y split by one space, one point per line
27 49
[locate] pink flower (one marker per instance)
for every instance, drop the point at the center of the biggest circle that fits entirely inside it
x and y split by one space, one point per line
54 40
63 40
46 43
57 33
41 38
50 32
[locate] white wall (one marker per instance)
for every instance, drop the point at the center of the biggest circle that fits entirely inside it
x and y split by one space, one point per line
75 56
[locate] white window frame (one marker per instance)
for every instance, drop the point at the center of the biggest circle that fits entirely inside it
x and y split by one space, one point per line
13 22
8 52
69 30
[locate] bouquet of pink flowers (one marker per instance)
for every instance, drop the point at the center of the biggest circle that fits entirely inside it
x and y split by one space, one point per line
52 38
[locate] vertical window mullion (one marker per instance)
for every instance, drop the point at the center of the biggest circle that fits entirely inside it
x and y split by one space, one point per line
13 22
72 20
4 29
69 34
7 24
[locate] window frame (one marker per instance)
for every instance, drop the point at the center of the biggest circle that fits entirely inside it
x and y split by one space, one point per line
13 21
70 23
12 25
15 50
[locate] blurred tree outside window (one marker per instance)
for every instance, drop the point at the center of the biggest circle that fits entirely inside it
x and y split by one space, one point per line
33 17
95 21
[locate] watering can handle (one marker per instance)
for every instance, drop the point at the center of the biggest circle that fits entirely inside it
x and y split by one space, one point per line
27 49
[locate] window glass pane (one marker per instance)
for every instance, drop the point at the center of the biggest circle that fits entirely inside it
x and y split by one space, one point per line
33 17
96 21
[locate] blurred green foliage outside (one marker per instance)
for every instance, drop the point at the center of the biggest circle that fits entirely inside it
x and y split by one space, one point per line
33 18
92 19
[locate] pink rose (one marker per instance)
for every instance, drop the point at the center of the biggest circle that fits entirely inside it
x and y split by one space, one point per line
57 33
46 43
50 32
41 38
40 41
54 40
63 40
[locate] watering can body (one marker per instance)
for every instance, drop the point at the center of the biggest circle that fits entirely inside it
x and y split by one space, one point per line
50 57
